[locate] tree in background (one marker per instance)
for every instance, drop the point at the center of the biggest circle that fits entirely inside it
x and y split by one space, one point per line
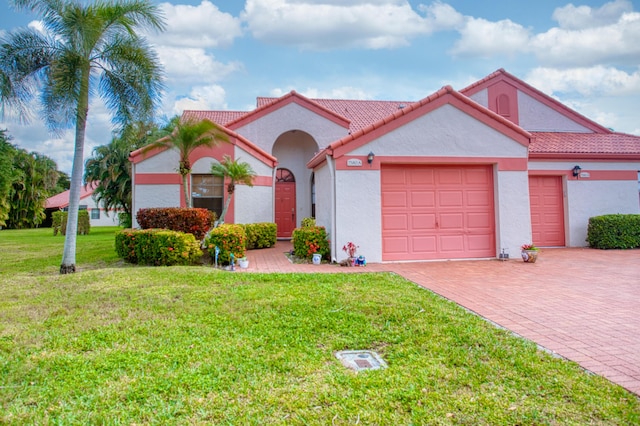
236 173
85 48
108 171
185 138
7 176
35 178
27 179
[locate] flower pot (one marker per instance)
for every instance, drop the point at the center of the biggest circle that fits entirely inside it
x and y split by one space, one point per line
530 256
244 263
317 258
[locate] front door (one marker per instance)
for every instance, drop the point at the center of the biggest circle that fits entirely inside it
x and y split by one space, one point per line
547 210
285 203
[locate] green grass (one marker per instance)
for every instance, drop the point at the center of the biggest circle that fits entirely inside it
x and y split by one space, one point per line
115 344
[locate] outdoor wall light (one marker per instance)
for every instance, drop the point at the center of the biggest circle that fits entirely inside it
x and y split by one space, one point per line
370 157
576 171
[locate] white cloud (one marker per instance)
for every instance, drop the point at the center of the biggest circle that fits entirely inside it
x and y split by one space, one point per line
203 25
572 17
333 24
200 98
483 38
186 66
594 81
618 42
442 16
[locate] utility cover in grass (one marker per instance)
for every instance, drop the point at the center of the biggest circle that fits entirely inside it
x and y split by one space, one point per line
361 360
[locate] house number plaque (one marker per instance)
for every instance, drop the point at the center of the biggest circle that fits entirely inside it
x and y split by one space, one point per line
354 162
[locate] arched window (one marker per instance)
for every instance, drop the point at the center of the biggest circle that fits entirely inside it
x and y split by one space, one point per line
284 175
504 109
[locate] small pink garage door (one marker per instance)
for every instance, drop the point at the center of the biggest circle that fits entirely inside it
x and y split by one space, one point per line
547 210
437 212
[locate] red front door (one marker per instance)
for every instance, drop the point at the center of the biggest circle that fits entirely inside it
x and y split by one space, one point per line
285 203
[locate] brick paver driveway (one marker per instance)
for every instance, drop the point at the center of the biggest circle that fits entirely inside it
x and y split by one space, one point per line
580 303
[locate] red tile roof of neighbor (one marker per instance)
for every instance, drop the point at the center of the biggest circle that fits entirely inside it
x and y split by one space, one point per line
584 143
61 200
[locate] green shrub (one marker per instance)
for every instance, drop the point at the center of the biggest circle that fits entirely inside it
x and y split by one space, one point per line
193 221
125 220
229 239
614 231
59 222
260 235
309 240
308 222
157 247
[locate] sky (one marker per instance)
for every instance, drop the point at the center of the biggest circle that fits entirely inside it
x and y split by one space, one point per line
223 54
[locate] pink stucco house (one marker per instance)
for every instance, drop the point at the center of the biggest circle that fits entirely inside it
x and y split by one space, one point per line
458 174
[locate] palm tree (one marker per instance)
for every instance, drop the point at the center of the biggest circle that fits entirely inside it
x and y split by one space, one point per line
86 48
108 170
236 172
186 137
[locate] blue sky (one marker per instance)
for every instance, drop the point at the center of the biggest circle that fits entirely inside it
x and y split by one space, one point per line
223 54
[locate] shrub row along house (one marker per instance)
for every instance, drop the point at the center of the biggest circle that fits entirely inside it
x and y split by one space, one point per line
458 174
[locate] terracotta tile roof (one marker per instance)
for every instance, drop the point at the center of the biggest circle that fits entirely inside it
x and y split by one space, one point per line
360 113
61 200
584 143
221 118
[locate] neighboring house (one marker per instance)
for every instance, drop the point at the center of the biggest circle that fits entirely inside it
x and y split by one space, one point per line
97 215
458 174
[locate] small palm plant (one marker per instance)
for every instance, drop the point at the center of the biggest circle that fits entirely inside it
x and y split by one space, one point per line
237 173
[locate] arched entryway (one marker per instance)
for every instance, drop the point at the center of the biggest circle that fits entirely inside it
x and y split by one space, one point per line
293 149
285 202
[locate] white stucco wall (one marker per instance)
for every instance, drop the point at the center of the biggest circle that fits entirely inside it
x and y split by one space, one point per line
253 205
481 97
446 131
513 215
165 162
264 131
324 197
148 196
258 166
594 198
535 116
359 217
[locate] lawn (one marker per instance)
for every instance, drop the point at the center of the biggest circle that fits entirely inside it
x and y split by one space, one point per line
118 344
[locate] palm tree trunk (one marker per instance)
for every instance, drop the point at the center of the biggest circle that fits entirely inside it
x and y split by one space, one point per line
69 251
187 197
220 221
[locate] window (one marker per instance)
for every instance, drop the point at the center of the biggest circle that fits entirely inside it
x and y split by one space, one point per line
95 213
207 192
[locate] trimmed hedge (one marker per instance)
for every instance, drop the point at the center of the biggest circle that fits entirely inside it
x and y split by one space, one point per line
229 239
309 240
157 247
614 231
59 222
193 221
260 235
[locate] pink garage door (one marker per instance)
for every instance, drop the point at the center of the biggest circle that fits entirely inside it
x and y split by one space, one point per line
547 210
437 212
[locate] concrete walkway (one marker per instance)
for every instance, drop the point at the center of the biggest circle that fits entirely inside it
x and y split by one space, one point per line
580 303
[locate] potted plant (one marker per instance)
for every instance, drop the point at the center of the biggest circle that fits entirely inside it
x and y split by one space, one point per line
243 262
351 249
529 253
